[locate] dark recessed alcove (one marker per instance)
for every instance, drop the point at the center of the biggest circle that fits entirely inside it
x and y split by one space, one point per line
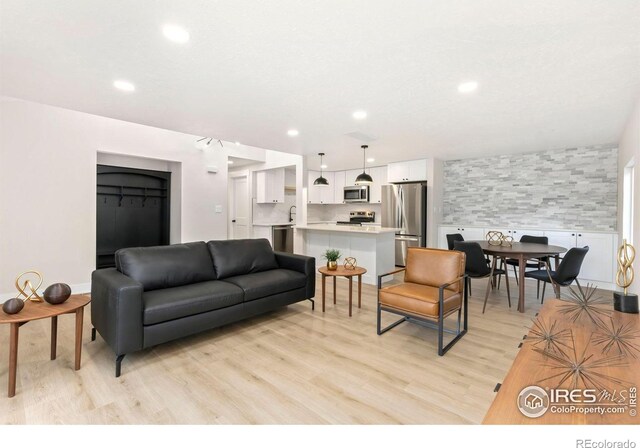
132 210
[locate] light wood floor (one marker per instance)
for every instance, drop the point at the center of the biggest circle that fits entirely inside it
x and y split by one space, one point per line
289 366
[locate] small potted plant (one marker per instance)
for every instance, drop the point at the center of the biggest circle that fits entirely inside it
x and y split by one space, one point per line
332 256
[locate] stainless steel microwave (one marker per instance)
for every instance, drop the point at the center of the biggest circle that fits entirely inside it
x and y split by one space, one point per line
358 193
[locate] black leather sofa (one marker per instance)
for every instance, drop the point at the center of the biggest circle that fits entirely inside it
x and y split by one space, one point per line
158 294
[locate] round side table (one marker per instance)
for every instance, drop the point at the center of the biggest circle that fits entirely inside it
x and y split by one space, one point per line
347 273
42 310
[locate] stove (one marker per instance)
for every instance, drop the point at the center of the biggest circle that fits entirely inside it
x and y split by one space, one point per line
358 218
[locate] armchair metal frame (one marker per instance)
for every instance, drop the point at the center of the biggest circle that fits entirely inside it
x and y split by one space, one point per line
426 322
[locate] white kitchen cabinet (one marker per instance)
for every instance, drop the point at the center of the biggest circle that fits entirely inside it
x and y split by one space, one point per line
599 263
566 239
270 186
410 171
339 179
350 177
516 234
327 192
314 195
320 194
379 175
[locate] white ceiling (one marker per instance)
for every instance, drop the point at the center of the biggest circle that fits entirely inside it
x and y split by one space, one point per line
551 74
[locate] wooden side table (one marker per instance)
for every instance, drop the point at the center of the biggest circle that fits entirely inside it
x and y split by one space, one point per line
42 310
347 273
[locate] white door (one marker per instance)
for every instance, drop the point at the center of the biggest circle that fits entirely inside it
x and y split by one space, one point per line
239 208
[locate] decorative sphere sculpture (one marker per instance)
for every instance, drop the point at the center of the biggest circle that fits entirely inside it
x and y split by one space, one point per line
57 293
507 241
13 306
494 238
350 263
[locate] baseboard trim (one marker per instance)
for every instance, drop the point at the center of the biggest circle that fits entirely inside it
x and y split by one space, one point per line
78 288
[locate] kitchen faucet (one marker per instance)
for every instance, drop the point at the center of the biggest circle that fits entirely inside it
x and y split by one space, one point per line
291 213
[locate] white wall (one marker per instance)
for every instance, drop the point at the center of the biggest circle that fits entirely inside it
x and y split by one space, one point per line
628 149
48 160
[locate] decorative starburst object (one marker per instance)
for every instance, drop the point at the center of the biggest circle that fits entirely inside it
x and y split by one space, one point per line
583 302
582 369
621 336
549 337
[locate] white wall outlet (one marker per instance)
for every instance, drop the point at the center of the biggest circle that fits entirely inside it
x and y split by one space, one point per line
218 208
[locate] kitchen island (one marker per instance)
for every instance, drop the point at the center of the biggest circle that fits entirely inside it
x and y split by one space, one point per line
372 246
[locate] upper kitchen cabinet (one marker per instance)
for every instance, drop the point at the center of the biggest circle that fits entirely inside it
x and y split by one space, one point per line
320 194
410 171
379 175
270 186
350 177
339 182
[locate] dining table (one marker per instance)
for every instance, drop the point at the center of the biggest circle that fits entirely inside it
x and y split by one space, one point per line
522 252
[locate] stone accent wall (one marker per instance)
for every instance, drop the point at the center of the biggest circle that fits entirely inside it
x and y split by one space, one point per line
573 188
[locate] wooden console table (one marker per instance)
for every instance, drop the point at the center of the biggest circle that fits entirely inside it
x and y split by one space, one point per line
41 310
611 371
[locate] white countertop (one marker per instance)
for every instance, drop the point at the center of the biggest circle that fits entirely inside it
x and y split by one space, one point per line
271 224
347 229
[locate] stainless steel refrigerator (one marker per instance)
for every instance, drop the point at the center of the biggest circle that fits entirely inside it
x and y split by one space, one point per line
404 206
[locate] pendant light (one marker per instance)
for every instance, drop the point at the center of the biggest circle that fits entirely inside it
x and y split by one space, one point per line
321 181
364 178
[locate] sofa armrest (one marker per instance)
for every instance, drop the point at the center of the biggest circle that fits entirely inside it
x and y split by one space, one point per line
303 264
116 310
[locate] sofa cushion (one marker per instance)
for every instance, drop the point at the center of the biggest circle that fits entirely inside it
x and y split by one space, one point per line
267 283
167 304
237 257
160 267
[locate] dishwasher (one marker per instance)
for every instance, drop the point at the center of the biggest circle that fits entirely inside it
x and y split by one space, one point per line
282 237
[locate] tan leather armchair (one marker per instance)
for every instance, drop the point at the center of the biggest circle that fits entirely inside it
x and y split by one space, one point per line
433 289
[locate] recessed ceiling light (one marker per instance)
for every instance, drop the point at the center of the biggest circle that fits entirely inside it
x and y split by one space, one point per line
175 33
371 160
237 143
324 167
467 87
292 132
359 115
230 162
125 86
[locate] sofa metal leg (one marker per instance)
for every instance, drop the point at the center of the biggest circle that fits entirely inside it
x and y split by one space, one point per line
93 334
119 359
313 304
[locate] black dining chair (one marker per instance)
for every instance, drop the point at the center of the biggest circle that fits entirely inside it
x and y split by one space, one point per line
452 238
567 271
537 263
476 267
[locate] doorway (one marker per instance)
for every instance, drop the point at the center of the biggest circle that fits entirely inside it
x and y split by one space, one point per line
132 210
239 208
